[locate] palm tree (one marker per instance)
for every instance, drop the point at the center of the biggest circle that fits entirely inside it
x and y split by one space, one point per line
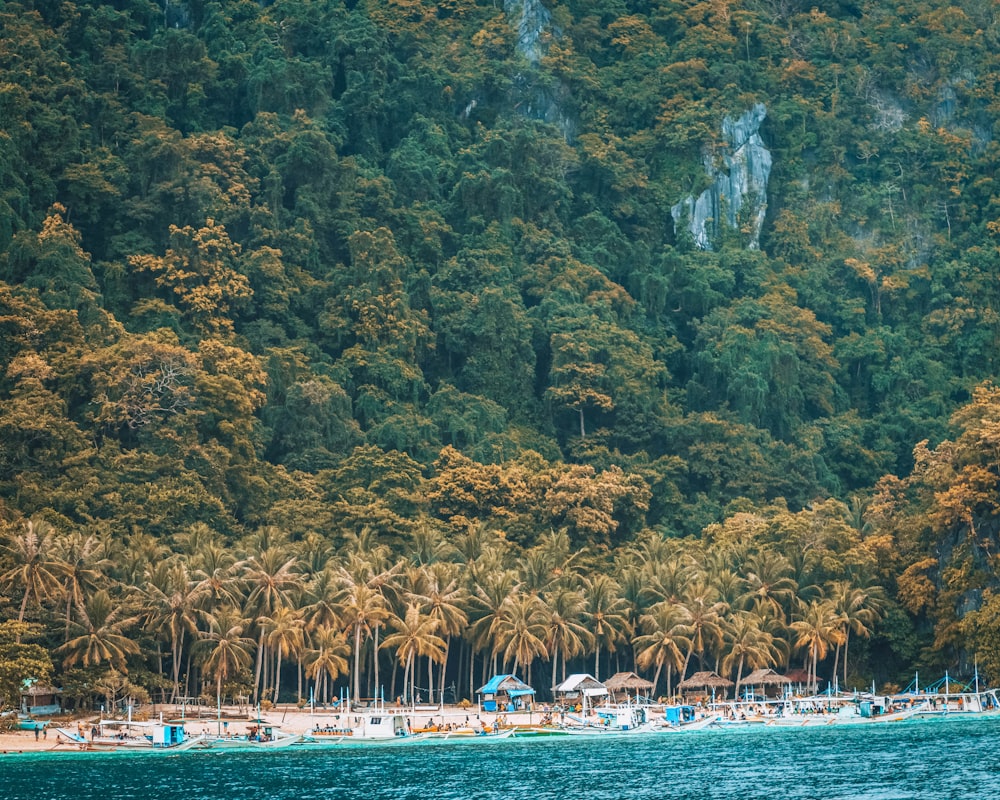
704 616
443 599
271 578
769 582
519 630
81 563
284 634
816 631
361 607
171 609
415 635
750 645
225 651
489 594
327 658
665 636
858 610
36 570
606 615
100 626
565 633
213 571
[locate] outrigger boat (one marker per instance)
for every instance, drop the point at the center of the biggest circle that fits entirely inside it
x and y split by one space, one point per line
110 735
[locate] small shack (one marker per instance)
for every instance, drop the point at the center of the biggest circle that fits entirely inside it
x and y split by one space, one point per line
40 700
763 680
623 684
579 689
504 693
705 683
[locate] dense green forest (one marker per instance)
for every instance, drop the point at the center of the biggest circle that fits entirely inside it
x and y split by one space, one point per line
356 343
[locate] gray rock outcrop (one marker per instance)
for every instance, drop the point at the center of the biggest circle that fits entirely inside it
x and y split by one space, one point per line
738 194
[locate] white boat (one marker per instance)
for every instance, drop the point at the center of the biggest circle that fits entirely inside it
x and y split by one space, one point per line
677 719
625 718
132 735
466 736
260 735
375 724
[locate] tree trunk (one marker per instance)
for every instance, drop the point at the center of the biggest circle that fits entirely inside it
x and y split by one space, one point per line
375 664
260 664
357 659
847 639
656 677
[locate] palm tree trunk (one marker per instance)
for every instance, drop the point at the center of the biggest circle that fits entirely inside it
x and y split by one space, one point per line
739 678
357 658
375 661
260 664
444 666
277 675
656 677
670 669
555 662
597 662
847 639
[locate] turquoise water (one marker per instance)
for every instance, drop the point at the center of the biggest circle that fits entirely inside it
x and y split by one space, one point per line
913 760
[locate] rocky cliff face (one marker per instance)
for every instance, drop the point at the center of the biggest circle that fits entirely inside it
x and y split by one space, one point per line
532 20
534 98
738 194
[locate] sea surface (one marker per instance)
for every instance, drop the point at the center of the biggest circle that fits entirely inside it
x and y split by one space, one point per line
912 760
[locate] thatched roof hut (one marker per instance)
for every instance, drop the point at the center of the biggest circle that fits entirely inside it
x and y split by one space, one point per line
625 683
765 677
705 681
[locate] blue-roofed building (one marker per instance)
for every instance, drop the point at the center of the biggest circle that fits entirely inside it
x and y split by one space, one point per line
504 693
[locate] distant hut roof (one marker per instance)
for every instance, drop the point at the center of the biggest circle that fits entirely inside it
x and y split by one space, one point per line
798 676
582 683
626 681
705 680
765 677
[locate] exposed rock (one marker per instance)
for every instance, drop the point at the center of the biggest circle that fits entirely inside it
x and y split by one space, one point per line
531 19
738 194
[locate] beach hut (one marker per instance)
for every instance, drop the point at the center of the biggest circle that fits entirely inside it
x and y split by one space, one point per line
579 689
706 682
627 683
765 679
37 699
800 679
504 693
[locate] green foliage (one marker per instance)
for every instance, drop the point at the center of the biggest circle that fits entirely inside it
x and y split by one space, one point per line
380 267
22 663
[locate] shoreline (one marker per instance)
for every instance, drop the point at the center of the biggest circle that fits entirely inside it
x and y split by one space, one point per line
291 720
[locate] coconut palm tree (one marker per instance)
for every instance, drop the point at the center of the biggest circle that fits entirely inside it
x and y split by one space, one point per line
769 582
748 645
82 564
566 635
519 630
100 627
817 629
223 649
37 572
606 615
171 610
284 633
704 615
489 594
415 634
858 610
326 658
665 637
443 599
361 608
213 569
271 578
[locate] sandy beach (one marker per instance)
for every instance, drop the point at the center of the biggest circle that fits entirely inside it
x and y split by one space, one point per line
290 719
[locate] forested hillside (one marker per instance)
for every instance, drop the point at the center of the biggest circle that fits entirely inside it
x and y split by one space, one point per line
376 336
